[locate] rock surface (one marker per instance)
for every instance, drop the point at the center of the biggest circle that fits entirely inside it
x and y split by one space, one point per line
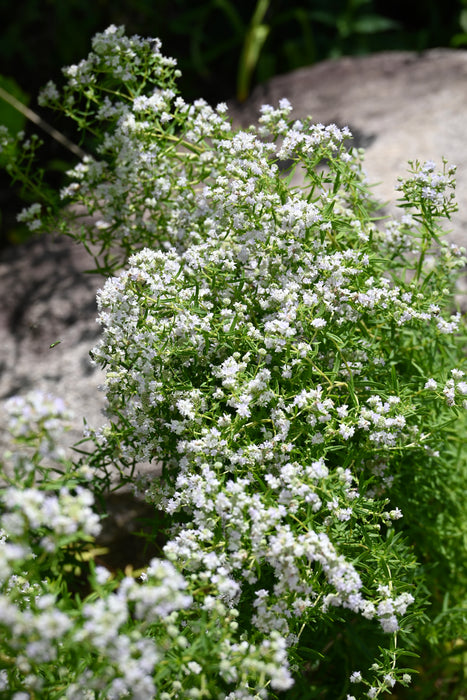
47 297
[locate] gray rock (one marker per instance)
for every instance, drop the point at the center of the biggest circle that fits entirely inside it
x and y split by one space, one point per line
47 297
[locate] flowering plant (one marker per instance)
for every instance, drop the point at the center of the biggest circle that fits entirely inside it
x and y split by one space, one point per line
292 367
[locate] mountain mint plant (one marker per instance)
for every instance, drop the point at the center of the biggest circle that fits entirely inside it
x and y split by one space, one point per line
291 364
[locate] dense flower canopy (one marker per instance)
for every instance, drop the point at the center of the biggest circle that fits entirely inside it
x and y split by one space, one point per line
277 350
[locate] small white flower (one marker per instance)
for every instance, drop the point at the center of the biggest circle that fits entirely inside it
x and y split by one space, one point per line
185 406
356 677
347 431
395 514
194 667
102 574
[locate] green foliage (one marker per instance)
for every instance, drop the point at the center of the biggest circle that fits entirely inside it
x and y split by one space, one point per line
13 120
460 39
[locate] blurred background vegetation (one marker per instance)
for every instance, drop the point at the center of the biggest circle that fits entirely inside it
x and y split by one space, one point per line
224 48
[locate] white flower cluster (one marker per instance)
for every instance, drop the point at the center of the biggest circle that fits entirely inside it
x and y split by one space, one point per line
37 632
60 514
6 139
239 301
130 658
37 628
455 387
121 55
31 216
431 187
261 343
36 424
